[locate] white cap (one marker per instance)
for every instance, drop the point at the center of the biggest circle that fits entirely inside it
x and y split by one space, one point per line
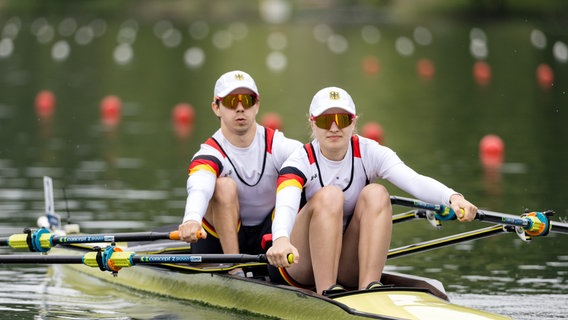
233 80
331 97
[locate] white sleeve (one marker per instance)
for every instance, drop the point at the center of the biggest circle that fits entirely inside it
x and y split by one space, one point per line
287 205
200 187
291 181
283 147
419 186
384 163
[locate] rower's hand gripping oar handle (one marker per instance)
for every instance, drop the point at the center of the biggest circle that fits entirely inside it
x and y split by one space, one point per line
290 258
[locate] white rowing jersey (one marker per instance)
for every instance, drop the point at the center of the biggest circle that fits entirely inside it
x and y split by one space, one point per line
307 171
254 169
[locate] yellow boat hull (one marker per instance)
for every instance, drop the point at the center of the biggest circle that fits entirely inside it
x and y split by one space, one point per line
278 301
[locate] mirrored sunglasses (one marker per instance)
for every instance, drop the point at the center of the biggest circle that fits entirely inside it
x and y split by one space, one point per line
231 101
342 120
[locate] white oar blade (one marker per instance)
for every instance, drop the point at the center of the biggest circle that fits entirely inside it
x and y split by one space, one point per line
53 218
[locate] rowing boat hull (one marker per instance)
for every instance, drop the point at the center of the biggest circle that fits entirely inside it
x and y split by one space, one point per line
279 301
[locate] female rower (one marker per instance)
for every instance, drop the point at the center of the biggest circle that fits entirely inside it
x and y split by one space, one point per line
341 236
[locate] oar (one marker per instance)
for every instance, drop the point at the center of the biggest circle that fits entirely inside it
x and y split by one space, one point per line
449 240
533 223
113 259
41 240
417 214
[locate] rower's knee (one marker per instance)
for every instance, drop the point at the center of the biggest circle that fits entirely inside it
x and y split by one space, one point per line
328 200
377 196
225 190
225 202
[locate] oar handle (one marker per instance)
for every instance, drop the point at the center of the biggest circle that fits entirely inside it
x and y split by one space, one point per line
174 235
290 258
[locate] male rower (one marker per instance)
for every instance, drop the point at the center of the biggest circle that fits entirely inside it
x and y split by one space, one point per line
232 178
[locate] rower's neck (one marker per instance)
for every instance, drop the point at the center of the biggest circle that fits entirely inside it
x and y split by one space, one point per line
240 139
334 154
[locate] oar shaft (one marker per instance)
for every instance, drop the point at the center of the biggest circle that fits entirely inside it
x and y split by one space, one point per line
118 237
447 241
508 219
413 203
502 218
559 227
41 240
112 259
197 258
442 212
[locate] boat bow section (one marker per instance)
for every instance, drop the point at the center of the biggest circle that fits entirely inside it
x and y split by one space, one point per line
409 303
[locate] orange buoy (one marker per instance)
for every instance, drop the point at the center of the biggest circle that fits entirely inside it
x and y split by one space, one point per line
111 110
482 73
545 76
373 130
183 118
183 114
45 104
491 151
271 120
371 65
425 69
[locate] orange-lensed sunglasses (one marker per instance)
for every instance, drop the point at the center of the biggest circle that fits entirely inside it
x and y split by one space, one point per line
342 120
231 101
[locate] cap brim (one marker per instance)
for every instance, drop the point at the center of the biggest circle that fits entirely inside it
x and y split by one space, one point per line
229 90
325 109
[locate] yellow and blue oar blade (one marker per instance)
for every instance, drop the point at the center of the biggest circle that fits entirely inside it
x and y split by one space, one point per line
41 240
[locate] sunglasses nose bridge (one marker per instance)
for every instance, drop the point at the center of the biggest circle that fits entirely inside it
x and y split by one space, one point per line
334 124
239 105
244 99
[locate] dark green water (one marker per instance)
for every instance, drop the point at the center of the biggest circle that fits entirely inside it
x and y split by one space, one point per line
131 177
